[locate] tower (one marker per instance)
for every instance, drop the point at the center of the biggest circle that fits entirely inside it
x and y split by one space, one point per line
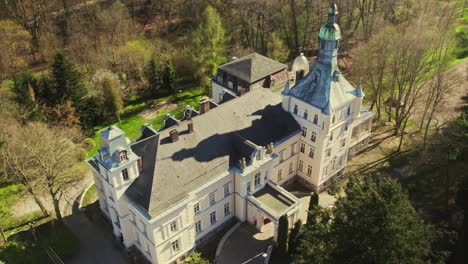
329 39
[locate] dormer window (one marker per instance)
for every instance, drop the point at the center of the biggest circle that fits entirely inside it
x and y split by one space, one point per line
316 119
336 75
123 156
306 114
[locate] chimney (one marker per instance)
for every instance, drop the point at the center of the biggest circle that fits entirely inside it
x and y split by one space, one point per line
174 134
204 105
190 127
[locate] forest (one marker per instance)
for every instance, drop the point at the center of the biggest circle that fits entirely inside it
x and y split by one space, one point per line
70 68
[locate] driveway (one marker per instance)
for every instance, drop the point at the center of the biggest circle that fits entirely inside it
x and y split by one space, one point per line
95 247
246 245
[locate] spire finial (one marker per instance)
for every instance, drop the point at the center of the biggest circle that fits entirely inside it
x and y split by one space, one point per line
332 12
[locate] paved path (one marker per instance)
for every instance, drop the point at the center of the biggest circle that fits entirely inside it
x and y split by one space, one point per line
246 245
95 247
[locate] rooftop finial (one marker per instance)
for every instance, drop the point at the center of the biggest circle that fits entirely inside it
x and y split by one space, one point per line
332 12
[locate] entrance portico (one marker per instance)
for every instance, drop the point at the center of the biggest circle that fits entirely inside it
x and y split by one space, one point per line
267 205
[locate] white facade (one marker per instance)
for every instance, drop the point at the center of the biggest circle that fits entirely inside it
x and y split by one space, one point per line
315 155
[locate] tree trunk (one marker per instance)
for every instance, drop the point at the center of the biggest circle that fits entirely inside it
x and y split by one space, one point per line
402 135
36 199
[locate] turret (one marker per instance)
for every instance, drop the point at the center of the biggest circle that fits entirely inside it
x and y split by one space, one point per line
329 37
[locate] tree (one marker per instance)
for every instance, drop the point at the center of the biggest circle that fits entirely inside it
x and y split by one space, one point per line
314 201
24 88
283 227
45 159
196 258
276 49
13 43
62 115
374 208
112 97
293 238
168 77
208 46
65 82
153 77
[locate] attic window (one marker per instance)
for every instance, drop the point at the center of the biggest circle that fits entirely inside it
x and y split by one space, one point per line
123 156
336 75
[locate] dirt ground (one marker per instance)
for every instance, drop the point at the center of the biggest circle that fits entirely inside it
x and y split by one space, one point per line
156 108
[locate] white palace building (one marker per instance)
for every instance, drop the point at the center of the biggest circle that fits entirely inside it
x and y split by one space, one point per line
170 189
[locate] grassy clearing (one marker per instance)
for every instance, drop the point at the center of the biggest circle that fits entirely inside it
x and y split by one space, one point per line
9 195
23 248
90 196
131 122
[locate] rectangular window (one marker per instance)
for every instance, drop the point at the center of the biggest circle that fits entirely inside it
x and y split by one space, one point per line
346 127
257 180
313 137
311 152
198 227
301 165
213 218
341 160
227 211
265 178
174 226
279 175
309 170
302 147
328 152
212 199
125 174
291 167
343 142
293 149
248 187
196 208
331 136
281 155
175 246
304 131
226 190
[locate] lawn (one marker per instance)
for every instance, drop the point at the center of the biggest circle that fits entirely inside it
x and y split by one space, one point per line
90 196
131 121
9 195
23 248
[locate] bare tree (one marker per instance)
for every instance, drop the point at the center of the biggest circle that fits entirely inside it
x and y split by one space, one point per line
45 159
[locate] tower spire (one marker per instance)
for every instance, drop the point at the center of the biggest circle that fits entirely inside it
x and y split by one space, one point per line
332 13
329 37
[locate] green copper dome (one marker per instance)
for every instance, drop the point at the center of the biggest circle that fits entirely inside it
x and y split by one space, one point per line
330 32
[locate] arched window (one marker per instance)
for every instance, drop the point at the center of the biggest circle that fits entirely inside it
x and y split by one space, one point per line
316 119
123 156
349 111
295 109
306 114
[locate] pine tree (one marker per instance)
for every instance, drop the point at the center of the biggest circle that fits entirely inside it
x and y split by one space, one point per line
65 82
24 88
283 235
153 77
168 77
208 47
314 201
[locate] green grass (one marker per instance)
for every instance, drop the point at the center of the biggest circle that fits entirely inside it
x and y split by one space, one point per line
9 195
22 247
131 122
90 196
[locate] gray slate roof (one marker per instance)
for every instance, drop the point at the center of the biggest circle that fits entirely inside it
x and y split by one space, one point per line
319 89
252 67
218 143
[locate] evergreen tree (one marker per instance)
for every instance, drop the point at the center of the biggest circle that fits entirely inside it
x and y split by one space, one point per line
314 201
65 82
168 77
153 77
293 238
373 223
24 88
283 235
208 47
112 97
